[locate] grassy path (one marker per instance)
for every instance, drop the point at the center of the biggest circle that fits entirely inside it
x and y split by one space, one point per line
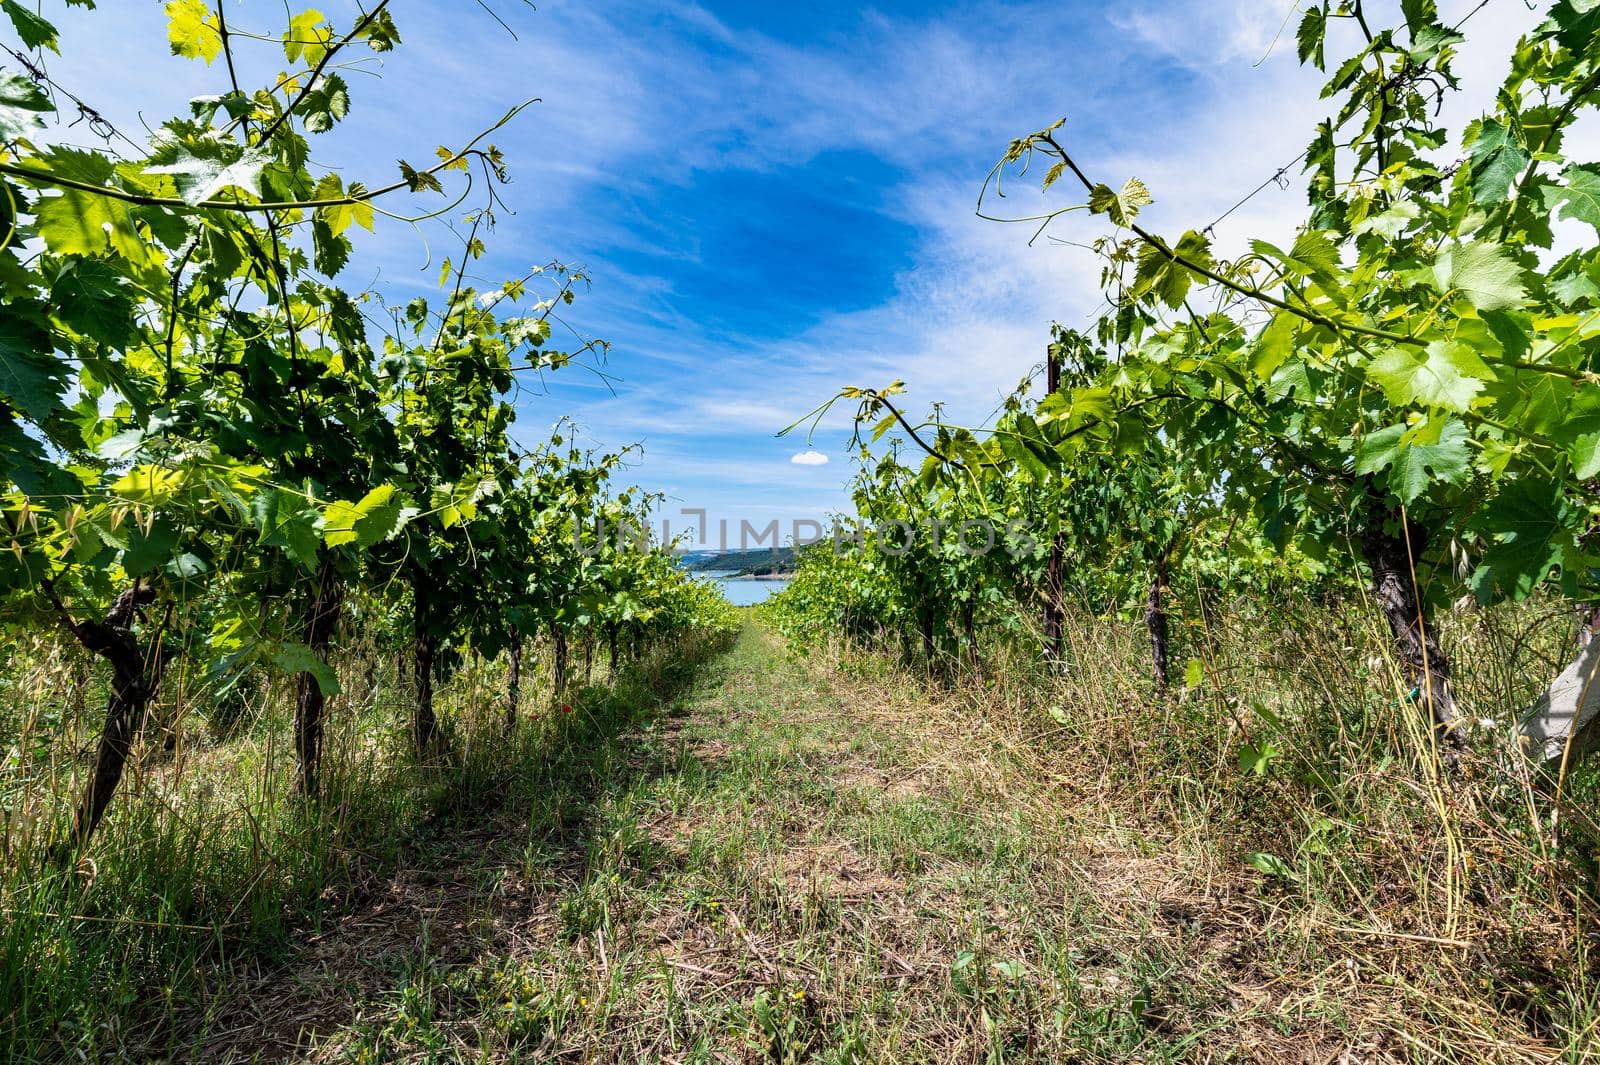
785 865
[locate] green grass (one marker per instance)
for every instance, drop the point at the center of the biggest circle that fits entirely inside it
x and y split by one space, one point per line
211 875
744 855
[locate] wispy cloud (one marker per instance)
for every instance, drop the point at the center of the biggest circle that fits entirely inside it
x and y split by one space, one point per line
771 215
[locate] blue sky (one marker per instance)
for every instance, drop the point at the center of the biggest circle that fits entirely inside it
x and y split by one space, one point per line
775 200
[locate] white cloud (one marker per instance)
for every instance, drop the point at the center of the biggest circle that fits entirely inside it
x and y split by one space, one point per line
744 414
1214 34
637 97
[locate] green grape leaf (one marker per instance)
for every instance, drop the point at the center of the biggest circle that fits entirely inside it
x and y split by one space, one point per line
223 249
82 223
1551 406
1196 248
121 445
21 104
326 104
534 331
1416 458
1316 256
152 484
1311 37
1528 522
32 378
1483 272
201 177
1429 41
452 506
419 180
1496 159
308 37
150 548
1122 207
23 460
281 519
1419 14
299 538
1581 197
192 30
1160 276
31 27
1510 329
1274 346
330 252
1446 374
1391 223
93 299
1574 288
372 520
297 658
1585 454
74 222
1576 23
380 32
186 566
341 216
1257 758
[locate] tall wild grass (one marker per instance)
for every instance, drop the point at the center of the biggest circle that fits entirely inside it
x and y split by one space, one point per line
210 865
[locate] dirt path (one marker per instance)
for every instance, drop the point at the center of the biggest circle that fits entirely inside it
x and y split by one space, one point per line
789 864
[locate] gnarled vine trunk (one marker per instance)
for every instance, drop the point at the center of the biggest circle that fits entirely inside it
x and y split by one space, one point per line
925 625
1155 621
1422 661
424 649
558 656
1055 614
369 672
425 727
82 674
514 679
969 631
611 640
316 632
135 676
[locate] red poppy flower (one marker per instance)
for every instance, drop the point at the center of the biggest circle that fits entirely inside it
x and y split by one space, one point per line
566 708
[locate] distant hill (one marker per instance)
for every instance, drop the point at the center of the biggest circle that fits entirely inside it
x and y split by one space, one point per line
758 562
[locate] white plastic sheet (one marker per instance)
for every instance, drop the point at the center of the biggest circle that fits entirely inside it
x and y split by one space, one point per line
1569 707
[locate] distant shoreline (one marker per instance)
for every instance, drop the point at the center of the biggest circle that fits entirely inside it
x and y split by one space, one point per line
759 577
741 560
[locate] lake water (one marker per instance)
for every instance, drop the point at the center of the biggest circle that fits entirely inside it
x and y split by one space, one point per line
744 592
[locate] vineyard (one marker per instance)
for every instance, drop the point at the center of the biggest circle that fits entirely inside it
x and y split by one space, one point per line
1227 695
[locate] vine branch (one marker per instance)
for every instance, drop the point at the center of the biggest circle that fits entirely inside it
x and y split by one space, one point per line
138 199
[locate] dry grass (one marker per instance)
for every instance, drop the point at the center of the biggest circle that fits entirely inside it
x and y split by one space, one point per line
821 858
1416 915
